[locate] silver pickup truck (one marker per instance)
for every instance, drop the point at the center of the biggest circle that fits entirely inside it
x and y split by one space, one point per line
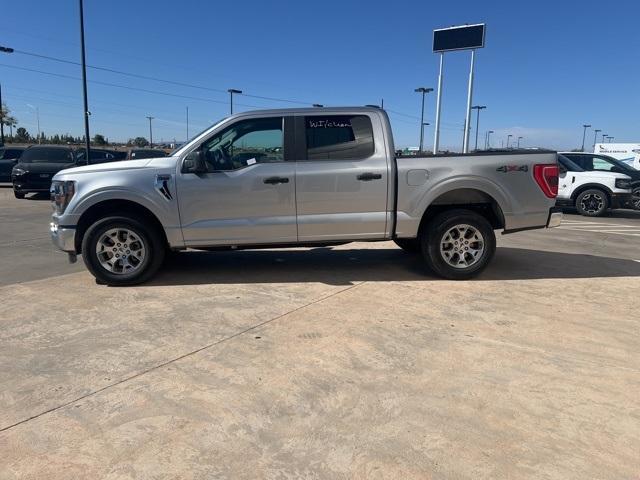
299 177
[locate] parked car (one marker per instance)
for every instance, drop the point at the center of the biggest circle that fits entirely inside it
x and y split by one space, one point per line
8 159
37 166
594 192
593 162
100 155
39 163
314 177
140 153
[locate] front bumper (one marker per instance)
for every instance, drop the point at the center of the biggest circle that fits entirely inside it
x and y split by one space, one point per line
620 200
63 238
555 217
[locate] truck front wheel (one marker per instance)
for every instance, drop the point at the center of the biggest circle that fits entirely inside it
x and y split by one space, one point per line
458 244
122 250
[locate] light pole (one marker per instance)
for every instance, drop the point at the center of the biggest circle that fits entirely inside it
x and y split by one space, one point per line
150 132
423 91
478 108
595 137
584 132
508 138
4 50
487 144
37 112
603 137
187 124
317 105
519 138
1 119
610 138
84 86
231 92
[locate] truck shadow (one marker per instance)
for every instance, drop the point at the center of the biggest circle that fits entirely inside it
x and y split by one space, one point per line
345 267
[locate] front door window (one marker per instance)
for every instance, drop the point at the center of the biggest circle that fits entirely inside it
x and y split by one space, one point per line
245 143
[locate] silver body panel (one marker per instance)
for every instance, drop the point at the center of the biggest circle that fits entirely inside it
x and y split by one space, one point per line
323 200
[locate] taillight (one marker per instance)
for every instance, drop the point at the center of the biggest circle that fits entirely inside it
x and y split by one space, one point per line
547 179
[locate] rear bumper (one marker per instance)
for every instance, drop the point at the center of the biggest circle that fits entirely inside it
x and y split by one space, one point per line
63 238
554 218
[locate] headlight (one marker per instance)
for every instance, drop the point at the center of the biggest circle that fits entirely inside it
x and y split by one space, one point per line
623 183
61 194
17 171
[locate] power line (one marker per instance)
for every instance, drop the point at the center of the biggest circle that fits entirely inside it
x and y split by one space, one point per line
170 82
126 87
183 84
156 79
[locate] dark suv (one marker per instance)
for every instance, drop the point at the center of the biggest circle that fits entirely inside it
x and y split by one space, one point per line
39 163
8 158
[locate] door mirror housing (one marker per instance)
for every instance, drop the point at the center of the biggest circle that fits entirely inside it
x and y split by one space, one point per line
194 163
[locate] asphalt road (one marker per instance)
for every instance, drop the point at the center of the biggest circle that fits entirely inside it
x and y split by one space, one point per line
346 362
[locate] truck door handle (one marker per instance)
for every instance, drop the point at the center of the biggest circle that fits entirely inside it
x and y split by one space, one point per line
366 177
276 180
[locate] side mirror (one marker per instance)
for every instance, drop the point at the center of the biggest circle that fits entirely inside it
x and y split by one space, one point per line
194 163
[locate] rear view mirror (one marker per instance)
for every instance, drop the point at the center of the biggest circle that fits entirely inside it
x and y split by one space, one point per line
194 163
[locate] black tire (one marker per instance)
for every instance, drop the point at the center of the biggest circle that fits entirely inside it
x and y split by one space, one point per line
635 198
409 245
482 241
151 239
19 195
592 203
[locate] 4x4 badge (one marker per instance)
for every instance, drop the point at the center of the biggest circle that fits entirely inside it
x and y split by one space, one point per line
512 168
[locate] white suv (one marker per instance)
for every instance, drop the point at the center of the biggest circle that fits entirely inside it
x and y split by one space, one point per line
591 193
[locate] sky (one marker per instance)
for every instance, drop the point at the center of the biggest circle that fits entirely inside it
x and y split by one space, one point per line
548 67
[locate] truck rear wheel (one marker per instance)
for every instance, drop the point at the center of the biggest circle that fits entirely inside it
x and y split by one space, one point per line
122 250
458 244
592 203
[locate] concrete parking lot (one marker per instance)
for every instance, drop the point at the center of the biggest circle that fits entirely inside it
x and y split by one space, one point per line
345 362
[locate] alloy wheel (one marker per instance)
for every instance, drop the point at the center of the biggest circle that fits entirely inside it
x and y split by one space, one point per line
462 246
592 203
120 251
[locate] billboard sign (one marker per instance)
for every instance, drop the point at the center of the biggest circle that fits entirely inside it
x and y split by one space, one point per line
464 37
628 153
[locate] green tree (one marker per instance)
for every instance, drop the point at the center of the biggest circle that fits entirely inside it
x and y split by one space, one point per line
99 139
5 118
140 142
22 135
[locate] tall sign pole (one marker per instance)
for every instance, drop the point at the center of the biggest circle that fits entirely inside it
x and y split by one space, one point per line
462 37
467 122
436 138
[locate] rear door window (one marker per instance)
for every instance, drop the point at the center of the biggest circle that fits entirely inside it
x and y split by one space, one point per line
339 137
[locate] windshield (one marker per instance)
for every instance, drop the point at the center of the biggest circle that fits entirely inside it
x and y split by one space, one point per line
569 165
614 161
183 147
46 155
